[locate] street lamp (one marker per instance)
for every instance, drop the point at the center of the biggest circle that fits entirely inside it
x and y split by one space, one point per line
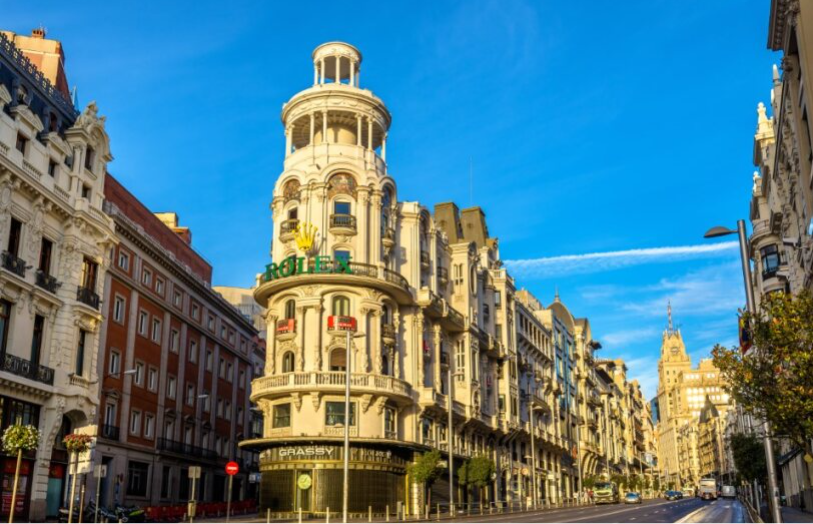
449 439
531 408
720 231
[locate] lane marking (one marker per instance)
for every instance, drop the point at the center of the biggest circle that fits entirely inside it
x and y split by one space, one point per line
692 514
541 513
620 511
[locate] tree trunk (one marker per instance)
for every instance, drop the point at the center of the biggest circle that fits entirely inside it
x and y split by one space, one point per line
14 489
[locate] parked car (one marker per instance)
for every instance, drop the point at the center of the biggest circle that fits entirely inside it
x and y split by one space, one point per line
673 495
632 497
729 492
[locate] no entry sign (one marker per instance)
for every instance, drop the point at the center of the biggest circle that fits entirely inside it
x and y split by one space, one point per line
232 468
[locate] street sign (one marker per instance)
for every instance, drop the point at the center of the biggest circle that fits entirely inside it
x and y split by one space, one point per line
232 468
194 472
100 471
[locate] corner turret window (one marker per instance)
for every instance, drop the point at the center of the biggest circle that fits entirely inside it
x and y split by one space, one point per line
341 306
288 362
771 261
338 359
341 208
90 156
290 309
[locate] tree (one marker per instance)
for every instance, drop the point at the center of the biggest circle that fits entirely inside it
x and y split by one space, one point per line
774 380
589 482
477 472
425 470
749 457
656 484
618 479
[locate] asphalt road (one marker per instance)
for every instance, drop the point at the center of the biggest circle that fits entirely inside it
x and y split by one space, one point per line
659 510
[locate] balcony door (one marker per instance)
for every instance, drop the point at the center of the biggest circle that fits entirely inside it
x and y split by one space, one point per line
90 270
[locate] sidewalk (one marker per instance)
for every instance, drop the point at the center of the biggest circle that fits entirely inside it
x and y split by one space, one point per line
796 515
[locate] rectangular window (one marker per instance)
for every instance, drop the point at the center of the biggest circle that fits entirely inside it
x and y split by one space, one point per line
209 358
80 353
177 299
389 422
119 307
90 156
207 403
46 248
124 260
138 377
211 323
341 208
21 144
149 425
135 422
242 380
36 340
334 413
219 407
52 168
171 386
174 341
190 394
227 410
115 362
156 330
166 482
152 379
195 311
15 237
137 478
193 351
143 316
146 277
86 191
110 414
282 416
229 371
159 286
221 368
90 270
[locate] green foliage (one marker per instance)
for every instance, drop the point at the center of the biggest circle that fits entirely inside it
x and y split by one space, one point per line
774 379
656 484
476 471
670 485
749 457
426 468
618 479
589 482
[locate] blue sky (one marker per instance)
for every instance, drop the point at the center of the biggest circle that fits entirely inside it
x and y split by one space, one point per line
592 127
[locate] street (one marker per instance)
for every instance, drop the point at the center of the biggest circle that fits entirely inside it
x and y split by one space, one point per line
689 510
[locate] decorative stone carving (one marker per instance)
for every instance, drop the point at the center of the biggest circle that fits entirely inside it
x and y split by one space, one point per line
296 397
380 402
365 402
315 399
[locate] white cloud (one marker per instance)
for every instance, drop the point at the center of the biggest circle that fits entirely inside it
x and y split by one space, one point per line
621 338
610 260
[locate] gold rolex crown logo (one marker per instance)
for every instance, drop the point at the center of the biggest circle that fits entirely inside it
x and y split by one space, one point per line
305 236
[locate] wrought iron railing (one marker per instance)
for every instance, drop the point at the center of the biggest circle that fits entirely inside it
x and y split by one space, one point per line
425 259
288 227
27 369
47 282
87 296
109 432
443 275
14 263
388 331
173 446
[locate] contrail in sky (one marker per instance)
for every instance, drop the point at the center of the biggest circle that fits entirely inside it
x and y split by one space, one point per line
598 262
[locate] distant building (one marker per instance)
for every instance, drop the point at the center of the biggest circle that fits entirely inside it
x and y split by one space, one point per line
243 299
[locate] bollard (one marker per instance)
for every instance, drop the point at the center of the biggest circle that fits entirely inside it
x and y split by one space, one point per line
300 514
268 516
388 514
369 513
438 510
327 515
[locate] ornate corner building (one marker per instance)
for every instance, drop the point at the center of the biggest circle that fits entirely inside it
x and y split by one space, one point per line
782 194
435 323
55 242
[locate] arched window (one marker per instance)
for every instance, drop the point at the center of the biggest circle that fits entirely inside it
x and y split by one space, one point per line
288 362
290 309
341 306
385 364
338 359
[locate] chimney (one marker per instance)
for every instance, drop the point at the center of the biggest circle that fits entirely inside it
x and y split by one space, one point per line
38 33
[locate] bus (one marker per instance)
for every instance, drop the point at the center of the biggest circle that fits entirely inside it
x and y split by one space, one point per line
605 493
707 489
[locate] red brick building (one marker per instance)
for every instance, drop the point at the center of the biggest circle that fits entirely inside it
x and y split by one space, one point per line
175 367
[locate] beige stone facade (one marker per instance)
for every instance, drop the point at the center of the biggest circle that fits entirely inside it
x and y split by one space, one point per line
55 242
425 297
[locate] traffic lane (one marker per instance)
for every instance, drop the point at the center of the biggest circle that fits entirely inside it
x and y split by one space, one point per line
603 513
722 510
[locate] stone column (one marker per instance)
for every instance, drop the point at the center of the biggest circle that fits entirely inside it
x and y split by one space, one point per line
312 123
396 354
315 74
384 148
369 133
301 314
362 215
317 331
322 71
352 73
436 366
288 132
419 339
324 127
375 228
376 345
338 69
271 357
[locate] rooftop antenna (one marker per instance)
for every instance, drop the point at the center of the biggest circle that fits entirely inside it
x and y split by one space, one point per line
669 314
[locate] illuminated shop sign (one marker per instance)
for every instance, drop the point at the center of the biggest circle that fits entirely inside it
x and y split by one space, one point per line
292 266
306 451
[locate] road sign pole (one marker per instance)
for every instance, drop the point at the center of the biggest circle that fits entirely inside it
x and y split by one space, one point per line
228 499
192 505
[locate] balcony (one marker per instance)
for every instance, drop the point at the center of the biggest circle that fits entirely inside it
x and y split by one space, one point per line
287 229
337 324
389 238
388 333
343 224
14 264
444 358
109 432
360 274
87 296
27 369
179 448
425 260
286 329
443 276
47 282
455 320
330 381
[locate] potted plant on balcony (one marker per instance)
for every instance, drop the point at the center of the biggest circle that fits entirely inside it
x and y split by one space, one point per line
17 439
75 444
